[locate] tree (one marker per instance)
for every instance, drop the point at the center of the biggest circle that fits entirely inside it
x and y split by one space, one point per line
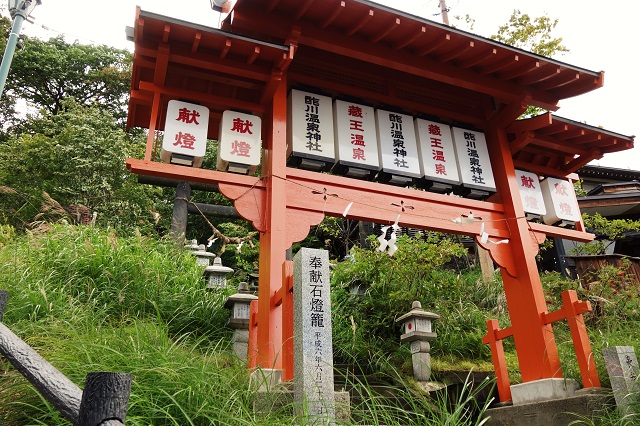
607 232
532 35
77 163
92 75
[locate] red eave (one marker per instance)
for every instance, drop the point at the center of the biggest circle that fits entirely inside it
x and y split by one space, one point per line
176 59
556 146
383 36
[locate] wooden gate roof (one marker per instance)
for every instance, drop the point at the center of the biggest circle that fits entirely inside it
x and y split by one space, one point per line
380 56
403 42
555 146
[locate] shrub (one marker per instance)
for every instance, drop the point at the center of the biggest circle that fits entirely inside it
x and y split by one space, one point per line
365 324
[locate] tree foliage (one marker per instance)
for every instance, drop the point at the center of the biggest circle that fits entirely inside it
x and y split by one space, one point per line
533 35
529 34
607 231
417 271
46 73
77 159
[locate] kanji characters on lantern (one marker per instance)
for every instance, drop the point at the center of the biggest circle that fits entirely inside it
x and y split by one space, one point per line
355 133
438 161
185 134
531 194
560 200
473 162
397 147
310 138
240 143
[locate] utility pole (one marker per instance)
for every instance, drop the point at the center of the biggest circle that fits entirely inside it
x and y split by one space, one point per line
19 13
444 11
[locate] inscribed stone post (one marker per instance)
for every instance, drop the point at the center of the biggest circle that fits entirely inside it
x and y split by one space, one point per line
622 366
313 347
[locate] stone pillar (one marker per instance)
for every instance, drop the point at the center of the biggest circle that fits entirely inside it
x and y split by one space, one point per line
622 366
313 346
421 360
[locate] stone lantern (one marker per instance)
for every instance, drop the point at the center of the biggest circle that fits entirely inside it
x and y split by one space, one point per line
192 245
216 274
203 257
239 305
254 277
416 325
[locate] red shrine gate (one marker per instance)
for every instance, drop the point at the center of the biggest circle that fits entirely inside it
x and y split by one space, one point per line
382 57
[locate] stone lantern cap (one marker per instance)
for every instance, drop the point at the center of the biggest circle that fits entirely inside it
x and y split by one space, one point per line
204 254
417 312
243 295
192 245
417 324
217 267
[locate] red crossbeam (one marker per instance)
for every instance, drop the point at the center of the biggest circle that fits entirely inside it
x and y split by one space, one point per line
572 310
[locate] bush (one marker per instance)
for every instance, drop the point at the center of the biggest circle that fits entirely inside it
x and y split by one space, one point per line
364 325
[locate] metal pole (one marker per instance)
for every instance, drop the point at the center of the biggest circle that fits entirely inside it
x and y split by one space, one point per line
18 19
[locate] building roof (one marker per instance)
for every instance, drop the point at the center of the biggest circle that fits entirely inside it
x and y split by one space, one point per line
219 69
609 173
618 199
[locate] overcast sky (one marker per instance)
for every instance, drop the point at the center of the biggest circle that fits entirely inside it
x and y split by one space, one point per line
601 36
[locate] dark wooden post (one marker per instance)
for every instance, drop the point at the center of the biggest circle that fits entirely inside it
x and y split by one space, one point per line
105 399
4 295
180 212
61 392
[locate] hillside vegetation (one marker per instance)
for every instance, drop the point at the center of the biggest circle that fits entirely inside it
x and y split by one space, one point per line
89 300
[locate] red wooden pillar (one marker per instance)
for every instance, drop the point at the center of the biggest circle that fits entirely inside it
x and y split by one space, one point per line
273 240
494 338
252 350
535 344
287 321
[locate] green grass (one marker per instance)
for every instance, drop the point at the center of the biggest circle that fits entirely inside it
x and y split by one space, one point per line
88 300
